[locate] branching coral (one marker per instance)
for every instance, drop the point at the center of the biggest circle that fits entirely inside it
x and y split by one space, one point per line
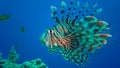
11 62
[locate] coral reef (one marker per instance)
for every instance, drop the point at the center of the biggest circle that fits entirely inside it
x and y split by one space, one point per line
13 57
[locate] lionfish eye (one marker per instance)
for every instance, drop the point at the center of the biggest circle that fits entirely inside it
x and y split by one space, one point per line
50 31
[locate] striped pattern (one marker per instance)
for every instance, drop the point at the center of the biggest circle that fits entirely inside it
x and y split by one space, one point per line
75 34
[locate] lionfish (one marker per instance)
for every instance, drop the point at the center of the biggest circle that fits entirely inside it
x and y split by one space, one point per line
77 32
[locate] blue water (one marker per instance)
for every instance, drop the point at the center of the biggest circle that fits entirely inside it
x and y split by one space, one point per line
34 15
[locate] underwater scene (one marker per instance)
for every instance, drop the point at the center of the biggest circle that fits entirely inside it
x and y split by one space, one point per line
59 34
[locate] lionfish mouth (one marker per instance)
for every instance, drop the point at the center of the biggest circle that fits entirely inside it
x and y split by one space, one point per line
74 36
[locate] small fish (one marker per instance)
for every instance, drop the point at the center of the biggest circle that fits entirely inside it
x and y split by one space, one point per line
4 17
22 28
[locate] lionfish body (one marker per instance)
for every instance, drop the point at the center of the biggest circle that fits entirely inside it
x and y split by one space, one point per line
74 36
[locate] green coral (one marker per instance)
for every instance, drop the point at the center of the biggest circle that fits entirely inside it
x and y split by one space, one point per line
9 64
37 63
0 56
1 61
13 57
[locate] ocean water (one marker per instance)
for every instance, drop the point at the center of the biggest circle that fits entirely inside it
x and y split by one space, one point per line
35 16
